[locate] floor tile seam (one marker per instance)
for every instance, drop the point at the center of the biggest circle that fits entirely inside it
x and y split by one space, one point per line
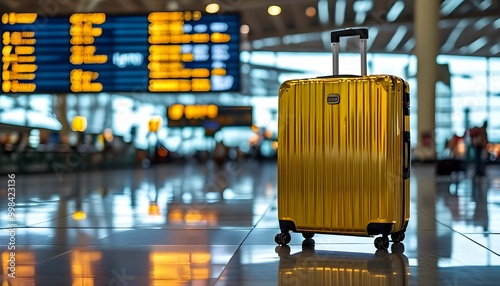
133 228
328 243
82 227
465 236
419 211
109 236
488 233
460 233
183 229
8 228
17 227
483 246
245 238
77 247
46 221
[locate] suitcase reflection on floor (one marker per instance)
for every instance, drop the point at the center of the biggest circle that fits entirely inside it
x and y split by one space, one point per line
320 267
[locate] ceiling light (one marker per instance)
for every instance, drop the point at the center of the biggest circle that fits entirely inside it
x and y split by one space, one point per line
496 24
396 38
340 8
323 14
485 4
310 12
212 8
495 49
274 10
245 29
363 6
481 23
449 6
395 11
477 44
172 6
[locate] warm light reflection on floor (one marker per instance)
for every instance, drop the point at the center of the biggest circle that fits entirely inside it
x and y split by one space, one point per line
169 225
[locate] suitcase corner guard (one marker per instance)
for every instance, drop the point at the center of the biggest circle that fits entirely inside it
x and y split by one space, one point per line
376 228
287 225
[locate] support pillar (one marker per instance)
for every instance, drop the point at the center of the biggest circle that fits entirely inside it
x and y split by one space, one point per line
426 49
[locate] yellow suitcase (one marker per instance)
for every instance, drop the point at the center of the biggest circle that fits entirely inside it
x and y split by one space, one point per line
344 154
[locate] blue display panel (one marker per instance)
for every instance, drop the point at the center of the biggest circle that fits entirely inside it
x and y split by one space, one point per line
93 52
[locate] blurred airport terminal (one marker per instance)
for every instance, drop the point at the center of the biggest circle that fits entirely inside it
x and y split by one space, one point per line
138 140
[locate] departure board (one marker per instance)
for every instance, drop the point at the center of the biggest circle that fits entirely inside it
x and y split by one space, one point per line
94 52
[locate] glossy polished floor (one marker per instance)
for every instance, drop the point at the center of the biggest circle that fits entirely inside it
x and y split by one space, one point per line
194 224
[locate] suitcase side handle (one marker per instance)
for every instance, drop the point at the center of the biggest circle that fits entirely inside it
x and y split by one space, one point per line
406 155
349 32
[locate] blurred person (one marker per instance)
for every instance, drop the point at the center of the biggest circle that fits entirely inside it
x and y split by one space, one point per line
4 140
452 162
454 146
220 153
256 142
22 142
479 140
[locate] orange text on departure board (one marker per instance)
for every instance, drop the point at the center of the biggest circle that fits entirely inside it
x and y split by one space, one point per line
172 47
83 34
18 60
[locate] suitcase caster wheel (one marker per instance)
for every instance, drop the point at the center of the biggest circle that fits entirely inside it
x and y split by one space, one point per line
307 235
282 250
382 242
398 236
283 238
381 253
308 244
398 248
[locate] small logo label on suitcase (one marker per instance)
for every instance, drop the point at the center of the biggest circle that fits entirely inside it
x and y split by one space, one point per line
333 98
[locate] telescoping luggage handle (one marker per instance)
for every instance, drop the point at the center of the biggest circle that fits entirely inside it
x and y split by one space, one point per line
349 32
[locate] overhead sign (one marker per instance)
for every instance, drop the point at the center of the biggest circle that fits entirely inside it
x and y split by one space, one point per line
210 116
94 52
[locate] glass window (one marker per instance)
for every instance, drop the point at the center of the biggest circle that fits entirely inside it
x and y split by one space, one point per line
399 65
494 100
468 89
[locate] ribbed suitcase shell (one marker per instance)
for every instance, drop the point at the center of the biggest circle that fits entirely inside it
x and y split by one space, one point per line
332 268
341 165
